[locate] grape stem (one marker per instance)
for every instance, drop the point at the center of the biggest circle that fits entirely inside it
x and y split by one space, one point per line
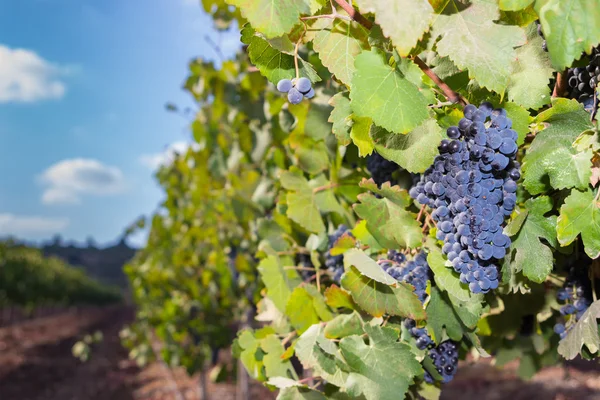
561 85
453 96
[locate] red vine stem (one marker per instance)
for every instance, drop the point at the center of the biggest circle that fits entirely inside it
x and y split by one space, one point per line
560 88
448 92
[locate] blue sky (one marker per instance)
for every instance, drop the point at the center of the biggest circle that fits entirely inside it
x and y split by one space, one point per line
83 84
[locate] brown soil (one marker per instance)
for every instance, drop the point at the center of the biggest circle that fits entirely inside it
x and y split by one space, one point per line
36 364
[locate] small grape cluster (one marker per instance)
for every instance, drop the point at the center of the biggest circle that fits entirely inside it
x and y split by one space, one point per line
584 80
303 260
415 272
381 169
296 89
472 188
576 294
335 264
445 359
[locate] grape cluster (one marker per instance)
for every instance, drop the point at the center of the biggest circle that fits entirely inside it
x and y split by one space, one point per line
335 264
445 359
584 80
576 295
415 272
381 169
472 188
296 89
303 260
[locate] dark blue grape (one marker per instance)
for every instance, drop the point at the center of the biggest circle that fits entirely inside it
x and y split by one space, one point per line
294 96
284 85
303 85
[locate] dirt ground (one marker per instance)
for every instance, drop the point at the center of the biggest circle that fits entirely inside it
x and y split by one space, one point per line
36 364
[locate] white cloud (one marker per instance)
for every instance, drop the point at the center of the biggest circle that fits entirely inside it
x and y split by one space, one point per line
20 225
67 180
155 160
27 77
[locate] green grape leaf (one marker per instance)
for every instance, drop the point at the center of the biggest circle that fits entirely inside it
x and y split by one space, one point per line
367 266
251 355
300 393
384 95
341 117
413 151
381 370
279 282
378 299
360 135
493 45
520 120
274 364
344 325
529 254
570 27
301 202
272 63
580 214
403 21
338 42
441 315
312 155
272 18
584 333
389 222
319 354
336 297
282 383
551 160
514 5
303 309
530 79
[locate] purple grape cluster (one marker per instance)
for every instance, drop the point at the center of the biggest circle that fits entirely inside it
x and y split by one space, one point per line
303 260
415 272
584 80
335 264
381 169
472 188
296 89
445 359
576 295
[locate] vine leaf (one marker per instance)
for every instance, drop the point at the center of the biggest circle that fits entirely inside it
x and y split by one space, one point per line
336 297
383 94
272 18
441 315
272 63
306 307
301 202
585 332
514 5
320 354
344 325
381 370
570 27
580 214
360 135
378 299
493 45
387 218
278 281
341 117
338 42
367 266
403 21
300 393
528 252
275 364
445 278
529 82
413 151
551 160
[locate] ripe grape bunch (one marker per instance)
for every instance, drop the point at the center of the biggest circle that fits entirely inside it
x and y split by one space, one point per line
576 294
445 359
584 80
296 89
303 260
381 169
472 188
415 272
335 264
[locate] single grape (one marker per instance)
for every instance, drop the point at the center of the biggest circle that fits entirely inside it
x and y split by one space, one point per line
310 94
303 85
294 96
284 85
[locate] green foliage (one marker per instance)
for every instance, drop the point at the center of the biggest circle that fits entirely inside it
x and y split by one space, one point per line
241 242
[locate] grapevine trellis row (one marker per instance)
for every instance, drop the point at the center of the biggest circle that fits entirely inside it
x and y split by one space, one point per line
380 189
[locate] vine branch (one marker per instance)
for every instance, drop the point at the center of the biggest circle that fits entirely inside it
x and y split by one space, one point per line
561 85
453 96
